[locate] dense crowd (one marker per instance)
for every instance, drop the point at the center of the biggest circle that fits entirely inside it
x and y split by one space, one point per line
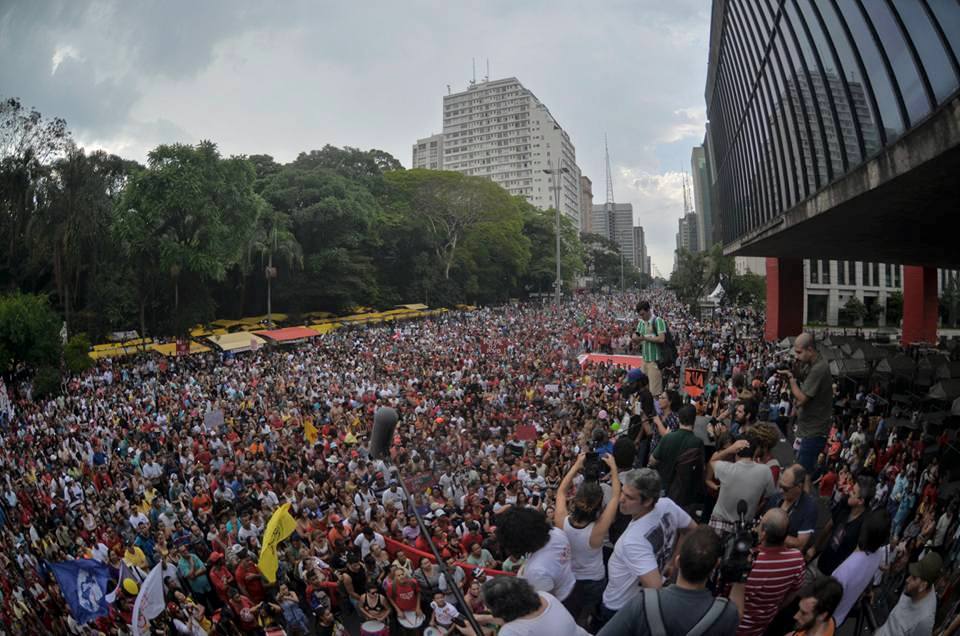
556 490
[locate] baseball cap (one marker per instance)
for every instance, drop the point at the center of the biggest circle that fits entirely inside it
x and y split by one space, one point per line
928 568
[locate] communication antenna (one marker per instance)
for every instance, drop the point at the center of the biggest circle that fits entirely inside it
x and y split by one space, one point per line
448 89
487 78
606 150
474 62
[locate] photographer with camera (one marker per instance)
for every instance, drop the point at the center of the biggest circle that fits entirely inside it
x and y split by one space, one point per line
775 577
743 479
814 398
688 607
586 523
643 553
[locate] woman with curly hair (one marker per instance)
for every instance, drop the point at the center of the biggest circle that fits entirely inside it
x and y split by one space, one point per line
586 523
547 567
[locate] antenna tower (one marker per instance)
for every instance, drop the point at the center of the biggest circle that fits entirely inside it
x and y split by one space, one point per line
606 150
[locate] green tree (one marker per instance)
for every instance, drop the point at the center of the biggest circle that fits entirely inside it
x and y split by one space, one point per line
747 289
188 217
69 231
893 313
689 278
29 332
332 219
540 229
76 354
853 312
27 143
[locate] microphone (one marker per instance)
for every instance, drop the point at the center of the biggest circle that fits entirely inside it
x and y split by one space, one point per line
384 425
742 508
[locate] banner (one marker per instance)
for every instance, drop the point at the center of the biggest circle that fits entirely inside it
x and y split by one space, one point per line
526 432
149 603
83 584
281 525
213 420
183 347
693 381
309 431
631 362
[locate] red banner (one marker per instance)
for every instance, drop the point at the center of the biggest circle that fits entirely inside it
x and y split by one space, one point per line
183 346
693 381
631 362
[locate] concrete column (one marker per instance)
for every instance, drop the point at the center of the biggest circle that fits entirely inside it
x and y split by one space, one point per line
920 304
784 298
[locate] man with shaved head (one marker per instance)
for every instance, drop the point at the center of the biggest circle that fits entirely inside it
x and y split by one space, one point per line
814 398
776 576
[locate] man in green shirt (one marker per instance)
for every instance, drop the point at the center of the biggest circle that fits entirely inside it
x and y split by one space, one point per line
689 473
651 333
814 398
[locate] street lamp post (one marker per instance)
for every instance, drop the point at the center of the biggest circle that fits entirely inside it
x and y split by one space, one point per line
557 173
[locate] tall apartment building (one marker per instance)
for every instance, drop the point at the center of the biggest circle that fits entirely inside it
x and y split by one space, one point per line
700 175
586 204
640 258
687 238
428 153
616 223
500 130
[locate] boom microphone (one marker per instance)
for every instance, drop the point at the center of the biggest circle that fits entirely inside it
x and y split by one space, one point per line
384 425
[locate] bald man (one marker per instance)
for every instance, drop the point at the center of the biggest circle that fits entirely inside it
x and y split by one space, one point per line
814 399
776 576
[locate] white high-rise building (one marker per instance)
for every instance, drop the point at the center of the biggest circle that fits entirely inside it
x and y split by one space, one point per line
428 152
500 130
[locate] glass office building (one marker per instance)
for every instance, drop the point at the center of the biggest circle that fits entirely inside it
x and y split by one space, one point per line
801 92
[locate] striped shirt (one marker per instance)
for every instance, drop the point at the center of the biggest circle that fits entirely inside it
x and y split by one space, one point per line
776 574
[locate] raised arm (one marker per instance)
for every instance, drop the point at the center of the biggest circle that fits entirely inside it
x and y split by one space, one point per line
609 514
560 512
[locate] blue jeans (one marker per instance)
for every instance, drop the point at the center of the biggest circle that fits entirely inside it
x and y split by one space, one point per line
809 452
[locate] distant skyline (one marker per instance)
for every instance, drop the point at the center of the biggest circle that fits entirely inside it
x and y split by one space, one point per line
258 78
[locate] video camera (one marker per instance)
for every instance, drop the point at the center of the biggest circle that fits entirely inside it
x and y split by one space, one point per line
738 549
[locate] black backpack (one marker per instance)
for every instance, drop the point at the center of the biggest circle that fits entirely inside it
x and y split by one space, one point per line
668 349
686 487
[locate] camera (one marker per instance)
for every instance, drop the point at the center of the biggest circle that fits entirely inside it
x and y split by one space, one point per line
738 549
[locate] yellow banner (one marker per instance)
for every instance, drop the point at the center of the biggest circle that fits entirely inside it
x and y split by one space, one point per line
281 525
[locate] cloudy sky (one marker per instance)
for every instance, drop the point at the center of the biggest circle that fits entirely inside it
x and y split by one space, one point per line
284 77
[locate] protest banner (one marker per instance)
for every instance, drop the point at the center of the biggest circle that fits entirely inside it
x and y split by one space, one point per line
693 381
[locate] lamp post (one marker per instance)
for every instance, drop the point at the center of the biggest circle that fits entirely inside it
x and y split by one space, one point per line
556 174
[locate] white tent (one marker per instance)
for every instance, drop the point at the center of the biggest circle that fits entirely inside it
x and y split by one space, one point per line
718 293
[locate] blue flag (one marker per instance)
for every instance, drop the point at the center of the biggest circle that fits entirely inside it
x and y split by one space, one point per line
84 585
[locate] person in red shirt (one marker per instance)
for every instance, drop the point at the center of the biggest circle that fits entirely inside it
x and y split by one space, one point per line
250 580
403 594
246 616
220 576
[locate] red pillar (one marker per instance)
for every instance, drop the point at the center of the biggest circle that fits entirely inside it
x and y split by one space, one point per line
784 298
920 304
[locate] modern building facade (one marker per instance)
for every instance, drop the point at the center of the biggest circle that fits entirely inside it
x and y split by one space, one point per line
687 232
834 133
500 130
586 204
615 222
750 265
700 175
640 258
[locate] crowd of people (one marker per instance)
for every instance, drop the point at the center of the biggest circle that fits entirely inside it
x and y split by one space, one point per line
563 496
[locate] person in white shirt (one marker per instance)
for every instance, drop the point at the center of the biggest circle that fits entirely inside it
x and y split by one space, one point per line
366 539
524 611
525 532
646 547
443 612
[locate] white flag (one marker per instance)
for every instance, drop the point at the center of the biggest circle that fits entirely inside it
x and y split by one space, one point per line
149 603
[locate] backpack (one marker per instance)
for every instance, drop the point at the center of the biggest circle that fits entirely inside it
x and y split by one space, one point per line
686 484
651 606
668 349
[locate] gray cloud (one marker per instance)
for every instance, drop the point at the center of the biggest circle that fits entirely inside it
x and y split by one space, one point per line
258 77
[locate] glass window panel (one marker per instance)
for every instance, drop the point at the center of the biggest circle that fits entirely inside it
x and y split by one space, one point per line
841 273
855 82
879 80
847 134
818 102
793 114
934 59
800 95
947 13
825 271
906 72
814 272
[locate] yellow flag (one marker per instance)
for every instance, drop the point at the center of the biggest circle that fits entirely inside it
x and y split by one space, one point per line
310 431
281 525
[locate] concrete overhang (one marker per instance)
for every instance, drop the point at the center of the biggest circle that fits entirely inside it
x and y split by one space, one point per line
901 206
